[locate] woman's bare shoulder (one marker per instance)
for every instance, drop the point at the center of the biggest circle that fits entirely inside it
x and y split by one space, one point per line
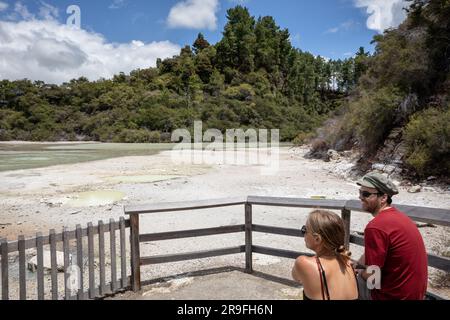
304 263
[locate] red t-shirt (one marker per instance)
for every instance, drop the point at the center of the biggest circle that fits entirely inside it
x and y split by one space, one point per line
393 242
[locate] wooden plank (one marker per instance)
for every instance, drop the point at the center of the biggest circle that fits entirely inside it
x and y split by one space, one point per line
353 205
416 213
53 262
279 252
31 243
135 253
438 262
112 241
434 296
296 202
101 253
248 239
357 240
277 230
191 255
91 260
40 266
184 206
123 253
5 274
345 215
22 270
79 233
85 295
66 263
190 233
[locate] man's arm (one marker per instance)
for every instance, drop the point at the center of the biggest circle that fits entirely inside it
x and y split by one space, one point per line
360 263
362 260
376 243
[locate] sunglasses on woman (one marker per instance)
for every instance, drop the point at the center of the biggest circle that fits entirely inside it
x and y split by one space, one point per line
303 229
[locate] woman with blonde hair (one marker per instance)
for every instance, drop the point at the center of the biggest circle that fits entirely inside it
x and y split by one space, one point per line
328 275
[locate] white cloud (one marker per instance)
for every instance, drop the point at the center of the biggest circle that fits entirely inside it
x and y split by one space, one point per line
48 12
3 6
117 4
194 14
332 30
55 53
383 14
21 12
347 25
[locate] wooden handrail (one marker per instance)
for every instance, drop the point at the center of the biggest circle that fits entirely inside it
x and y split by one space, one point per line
184 206
423 214
296 202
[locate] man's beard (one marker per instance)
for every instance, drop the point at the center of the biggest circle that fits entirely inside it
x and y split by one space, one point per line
370 208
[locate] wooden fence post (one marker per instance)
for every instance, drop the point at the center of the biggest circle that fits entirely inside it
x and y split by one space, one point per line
5 283
112 242
79 236
66 263
248 239
101 257
40 266
53 262
123 255
345 214
135 253
22 269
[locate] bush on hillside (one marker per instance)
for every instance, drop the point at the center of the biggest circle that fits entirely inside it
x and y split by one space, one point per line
427 138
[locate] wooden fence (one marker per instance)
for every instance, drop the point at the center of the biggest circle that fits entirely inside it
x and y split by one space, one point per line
117 259
421 214
99 289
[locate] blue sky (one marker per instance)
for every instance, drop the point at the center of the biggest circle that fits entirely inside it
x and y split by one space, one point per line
330 28
311 23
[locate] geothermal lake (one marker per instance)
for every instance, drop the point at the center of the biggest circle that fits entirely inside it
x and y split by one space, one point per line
28 156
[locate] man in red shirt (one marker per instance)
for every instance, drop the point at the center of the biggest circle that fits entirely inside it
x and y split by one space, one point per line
392 243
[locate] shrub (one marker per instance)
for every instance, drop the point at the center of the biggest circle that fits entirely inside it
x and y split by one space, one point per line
319 149
241 92
372 116
302 138
427 138
138 136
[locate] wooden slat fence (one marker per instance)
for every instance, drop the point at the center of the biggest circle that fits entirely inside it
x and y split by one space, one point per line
94 276
31 283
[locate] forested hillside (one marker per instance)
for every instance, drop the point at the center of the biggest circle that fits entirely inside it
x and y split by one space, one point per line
253 78
399 112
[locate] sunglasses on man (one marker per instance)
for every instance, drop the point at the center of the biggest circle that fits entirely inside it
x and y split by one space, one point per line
366 194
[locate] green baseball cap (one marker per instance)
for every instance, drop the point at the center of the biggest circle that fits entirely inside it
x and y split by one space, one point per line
380 182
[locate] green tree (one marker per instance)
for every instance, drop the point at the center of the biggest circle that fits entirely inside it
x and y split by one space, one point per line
200 44
237 47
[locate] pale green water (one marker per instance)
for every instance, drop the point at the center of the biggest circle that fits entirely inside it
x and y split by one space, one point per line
28 156
96 198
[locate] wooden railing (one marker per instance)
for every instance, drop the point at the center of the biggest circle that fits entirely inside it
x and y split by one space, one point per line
99 289
421 214
95 289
